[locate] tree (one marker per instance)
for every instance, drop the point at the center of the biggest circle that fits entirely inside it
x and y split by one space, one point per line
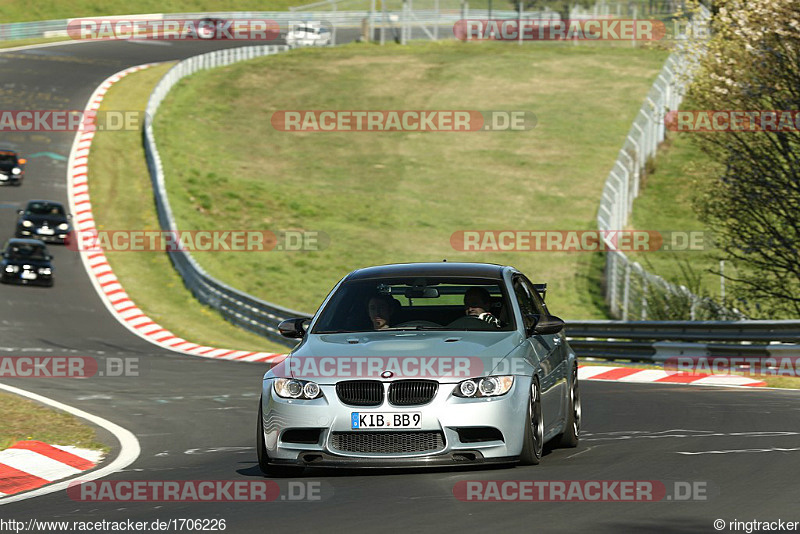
753 63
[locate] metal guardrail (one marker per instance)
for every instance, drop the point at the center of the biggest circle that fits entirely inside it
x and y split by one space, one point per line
765 331
236 306
658 341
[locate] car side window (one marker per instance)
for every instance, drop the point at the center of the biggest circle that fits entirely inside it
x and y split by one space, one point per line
526 304
541 309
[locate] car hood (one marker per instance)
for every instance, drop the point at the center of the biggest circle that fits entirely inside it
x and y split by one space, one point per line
7 167
443 356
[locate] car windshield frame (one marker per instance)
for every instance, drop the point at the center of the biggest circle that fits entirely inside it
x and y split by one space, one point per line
346 309
46 209
38 252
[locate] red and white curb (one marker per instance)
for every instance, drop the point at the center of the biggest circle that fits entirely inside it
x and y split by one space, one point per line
27 465
105 282
627 374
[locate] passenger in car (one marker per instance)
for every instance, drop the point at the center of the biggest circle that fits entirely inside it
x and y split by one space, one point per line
381 309
478 303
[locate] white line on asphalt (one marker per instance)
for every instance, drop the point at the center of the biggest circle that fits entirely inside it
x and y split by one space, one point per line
129 447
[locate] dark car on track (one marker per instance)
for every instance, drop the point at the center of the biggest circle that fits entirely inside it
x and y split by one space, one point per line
12 168
26 261
45 220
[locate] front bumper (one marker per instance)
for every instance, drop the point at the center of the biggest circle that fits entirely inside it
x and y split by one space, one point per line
453 417
31 233
11 179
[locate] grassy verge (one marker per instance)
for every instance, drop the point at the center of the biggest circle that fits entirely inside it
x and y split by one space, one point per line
665 204
24 419
786 382
122 199
399 196
25 42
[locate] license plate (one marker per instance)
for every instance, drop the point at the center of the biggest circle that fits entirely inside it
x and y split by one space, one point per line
27 275
359 420
46 231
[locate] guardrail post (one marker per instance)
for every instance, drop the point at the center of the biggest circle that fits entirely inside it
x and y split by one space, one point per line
626 293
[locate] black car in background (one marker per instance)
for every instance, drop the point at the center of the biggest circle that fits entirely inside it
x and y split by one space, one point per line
45 220
26 261
12 168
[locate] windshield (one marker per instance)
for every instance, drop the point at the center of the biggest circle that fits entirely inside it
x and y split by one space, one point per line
33 252
44 208
8 159
417 304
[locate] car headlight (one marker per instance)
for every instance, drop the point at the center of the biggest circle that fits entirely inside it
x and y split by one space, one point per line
490 386
27 224
45 270
16 170
63 226
291 388
12 268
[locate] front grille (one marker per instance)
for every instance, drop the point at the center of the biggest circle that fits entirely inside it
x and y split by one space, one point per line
387 442
360 392
412 392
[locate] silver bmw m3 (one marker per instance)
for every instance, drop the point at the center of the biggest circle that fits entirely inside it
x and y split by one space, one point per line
420 365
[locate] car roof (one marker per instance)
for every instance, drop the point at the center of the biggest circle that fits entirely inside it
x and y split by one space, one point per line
53 202
24 241
403 270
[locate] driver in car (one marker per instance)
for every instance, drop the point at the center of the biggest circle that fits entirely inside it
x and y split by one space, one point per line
477 303
381 308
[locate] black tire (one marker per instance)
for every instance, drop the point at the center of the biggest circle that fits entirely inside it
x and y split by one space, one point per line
533 437
263 459
571 435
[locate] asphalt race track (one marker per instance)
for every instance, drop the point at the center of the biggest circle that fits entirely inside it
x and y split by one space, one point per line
195 418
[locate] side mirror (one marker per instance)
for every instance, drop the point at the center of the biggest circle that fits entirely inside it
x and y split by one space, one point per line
292 328
20 212
549 324
48 257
